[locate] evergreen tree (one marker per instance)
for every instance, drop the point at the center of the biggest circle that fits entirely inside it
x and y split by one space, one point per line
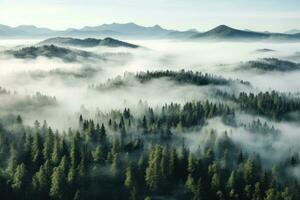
20 178
48 144
153 171
58 183
98 155
129 182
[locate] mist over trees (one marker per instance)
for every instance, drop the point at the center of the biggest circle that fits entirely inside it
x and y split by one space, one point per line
136 156
93 119
123 156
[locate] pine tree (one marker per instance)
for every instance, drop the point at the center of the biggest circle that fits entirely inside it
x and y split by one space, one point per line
20 178
74 152
72 177
271 194
98 154
27 160
115 164
36 150
58 183
231 182
40 182
249 172
173 162
190 184
102 133
48 144
56 153
215 182
129 182
82 168
153 175
257 192
191 164
12 164
63 165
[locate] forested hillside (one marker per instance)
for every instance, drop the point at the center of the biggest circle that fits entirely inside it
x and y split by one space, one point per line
122 155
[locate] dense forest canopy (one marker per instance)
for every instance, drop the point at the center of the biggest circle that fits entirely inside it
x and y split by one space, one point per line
180 77
123 155
271 64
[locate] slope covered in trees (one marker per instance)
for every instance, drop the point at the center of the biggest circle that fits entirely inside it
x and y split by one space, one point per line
180 77
197 150
271 64
122 155
271 104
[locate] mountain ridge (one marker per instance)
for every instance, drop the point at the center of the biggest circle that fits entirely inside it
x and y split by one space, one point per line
224 32
87 42
104 30
132 30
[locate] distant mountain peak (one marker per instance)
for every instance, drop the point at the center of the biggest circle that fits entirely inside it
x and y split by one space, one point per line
222 28
226 32
157 26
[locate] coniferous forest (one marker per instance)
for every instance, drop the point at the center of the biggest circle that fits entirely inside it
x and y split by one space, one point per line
187 109
122 155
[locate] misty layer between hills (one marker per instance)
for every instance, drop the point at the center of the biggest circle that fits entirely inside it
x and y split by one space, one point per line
221 96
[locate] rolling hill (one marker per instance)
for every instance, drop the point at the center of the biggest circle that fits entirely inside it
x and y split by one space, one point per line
270 64
88 42
51 51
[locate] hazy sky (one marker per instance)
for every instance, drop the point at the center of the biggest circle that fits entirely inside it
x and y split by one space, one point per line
272 15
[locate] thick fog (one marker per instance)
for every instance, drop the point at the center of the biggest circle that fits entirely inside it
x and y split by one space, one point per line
51 89
69 82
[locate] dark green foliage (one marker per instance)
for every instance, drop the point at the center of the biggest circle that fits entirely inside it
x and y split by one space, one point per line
186 77
271 64
272 104
143 156
179 77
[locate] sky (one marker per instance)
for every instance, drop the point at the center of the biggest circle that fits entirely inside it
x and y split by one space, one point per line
259 15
